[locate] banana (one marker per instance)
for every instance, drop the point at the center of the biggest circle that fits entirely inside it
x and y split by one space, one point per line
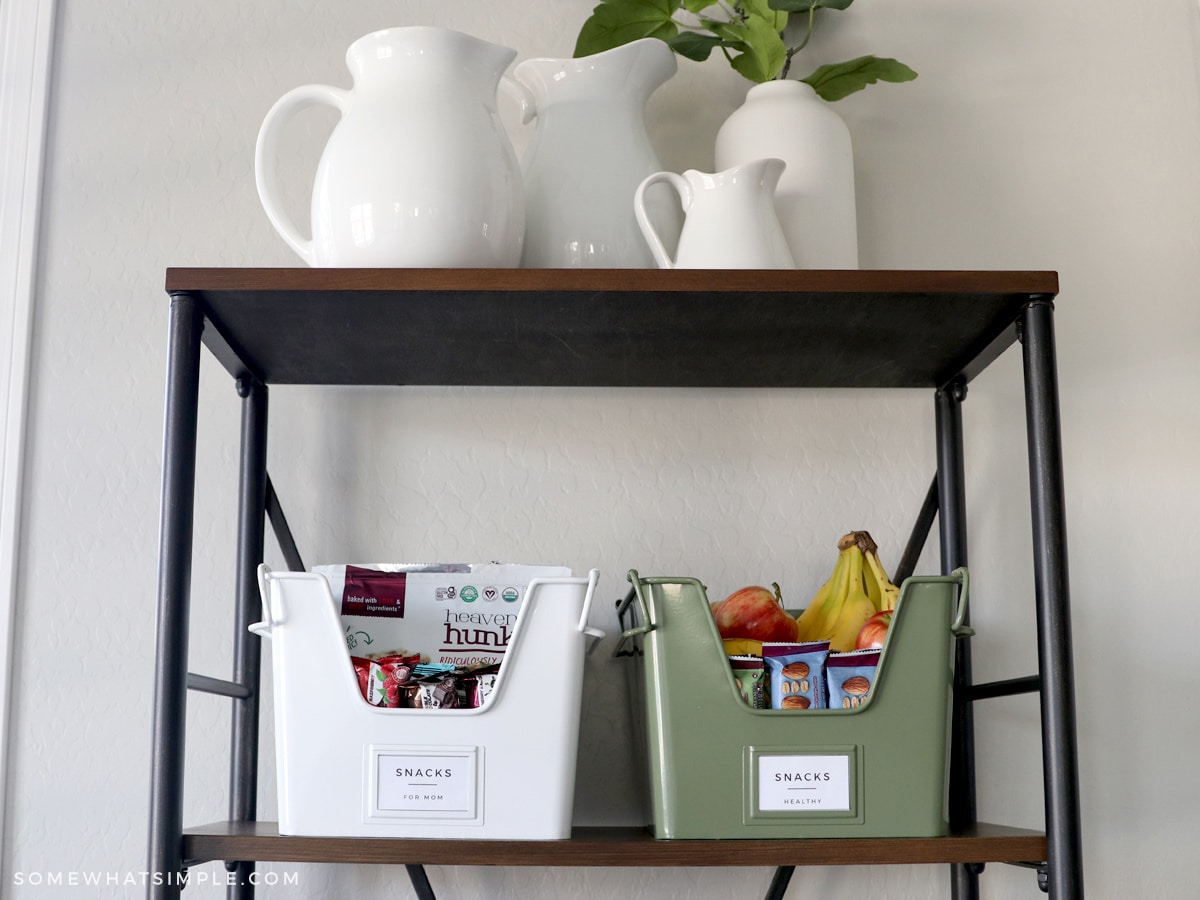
857 607
825 607
882 591
742 647
858 588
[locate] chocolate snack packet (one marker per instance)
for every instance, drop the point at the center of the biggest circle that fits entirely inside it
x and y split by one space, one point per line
362 669
850 677
438 692
750 675
381 679
477 686
797 674
389 676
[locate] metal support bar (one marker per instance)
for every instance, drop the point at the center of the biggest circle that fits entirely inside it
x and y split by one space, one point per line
779 884
247 647
420 882
952 522
207 685
1052 598
920 534
1030 684
174 590
283 534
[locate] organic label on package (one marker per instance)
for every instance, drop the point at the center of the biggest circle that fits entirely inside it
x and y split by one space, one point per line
448 613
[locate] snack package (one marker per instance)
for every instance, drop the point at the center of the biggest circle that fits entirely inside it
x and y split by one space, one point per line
437 692
797 674
382 679
389 676
478 686
452 613
362 668
751 677
850 677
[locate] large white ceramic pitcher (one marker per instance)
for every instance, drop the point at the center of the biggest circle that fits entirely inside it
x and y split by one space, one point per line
419 171
589 152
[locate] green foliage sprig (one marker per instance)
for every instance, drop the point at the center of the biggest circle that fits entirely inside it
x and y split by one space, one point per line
750 34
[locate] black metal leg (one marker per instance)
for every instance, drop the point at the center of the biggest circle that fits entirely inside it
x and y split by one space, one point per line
1048 501
952 522
779 884
174 589
247 648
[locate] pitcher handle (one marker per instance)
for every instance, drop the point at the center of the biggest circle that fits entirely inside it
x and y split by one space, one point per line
521 96
266 153
681 186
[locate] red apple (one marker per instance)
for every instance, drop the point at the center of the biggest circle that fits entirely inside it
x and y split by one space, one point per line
755 613
874 631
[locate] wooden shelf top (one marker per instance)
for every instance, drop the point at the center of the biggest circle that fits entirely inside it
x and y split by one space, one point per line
610 846
609 328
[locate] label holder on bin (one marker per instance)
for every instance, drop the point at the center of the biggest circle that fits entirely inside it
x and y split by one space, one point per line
816 783
423 783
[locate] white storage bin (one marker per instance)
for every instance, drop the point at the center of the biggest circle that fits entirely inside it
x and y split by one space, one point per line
348 769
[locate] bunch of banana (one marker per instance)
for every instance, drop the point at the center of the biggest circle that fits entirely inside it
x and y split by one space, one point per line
857 589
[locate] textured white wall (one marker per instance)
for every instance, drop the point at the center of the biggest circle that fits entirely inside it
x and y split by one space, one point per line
1038 135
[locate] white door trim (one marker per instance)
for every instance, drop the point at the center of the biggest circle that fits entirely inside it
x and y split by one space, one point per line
26 53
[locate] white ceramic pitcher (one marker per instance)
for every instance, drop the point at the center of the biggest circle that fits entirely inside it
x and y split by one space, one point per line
588 153
730 221
419 171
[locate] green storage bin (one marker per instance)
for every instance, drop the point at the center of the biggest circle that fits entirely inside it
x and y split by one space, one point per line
719 769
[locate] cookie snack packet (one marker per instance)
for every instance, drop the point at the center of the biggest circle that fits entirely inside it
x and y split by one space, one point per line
750 675
797 674
850 676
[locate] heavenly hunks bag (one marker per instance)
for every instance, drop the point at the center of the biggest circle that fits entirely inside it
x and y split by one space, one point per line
451 613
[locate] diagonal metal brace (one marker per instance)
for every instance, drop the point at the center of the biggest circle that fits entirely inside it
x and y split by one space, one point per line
283 533
420 882
779 884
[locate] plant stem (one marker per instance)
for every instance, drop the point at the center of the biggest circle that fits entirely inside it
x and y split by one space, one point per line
792 51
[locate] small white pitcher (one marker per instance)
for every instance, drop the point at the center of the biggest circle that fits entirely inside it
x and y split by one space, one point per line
730 222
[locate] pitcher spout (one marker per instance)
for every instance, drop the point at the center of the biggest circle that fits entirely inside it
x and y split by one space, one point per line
634 70
651 62
435 52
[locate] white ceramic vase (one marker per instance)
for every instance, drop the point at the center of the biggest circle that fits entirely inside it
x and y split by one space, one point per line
815 197
588 153
419 171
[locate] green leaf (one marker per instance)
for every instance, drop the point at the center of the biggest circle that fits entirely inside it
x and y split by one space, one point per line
806 5
617 22
762 9
842 79
694 46
763 51
698 6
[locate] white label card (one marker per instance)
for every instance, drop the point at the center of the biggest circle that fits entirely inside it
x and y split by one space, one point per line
425 783
803 782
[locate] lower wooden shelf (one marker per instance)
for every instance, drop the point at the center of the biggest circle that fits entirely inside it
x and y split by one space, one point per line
611 846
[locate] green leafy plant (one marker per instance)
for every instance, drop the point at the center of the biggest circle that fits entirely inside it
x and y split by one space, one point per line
750 34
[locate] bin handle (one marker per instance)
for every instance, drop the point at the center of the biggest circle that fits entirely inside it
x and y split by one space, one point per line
263 628
635 592
959 628
595 634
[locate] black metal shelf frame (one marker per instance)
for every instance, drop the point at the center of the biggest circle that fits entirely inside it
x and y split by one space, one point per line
193 322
